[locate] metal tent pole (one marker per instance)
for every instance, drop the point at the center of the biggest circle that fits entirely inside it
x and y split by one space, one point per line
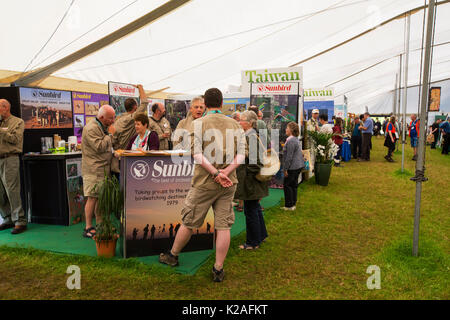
405 90
420 168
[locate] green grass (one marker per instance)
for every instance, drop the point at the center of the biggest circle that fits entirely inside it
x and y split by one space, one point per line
364 217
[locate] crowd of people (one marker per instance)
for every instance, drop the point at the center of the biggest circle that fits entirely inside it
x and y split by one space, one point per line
226 179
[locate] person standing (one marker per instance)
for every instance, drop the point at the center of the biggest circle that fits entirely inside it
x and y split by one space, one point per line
182 132
435 132
11 144
338 139
367 130
356 139
326 127
161 125
445 128
293 164
390 139
250 189
213 184
96 149
414 134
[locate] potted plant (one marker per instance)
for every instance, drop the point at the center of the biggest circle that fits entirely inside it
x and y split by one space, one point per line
110 212
325 150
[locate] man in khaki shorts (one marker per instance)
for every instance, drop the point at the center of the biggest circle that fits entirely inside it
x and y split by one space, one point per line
11 142
214 181
96 148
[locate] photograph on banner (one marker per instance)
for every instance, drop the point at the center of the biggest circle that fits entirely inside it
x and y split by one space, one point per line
85 105
325 107
435 99
176 110
46 109
75 194
156 189
119 92
231 105
278 103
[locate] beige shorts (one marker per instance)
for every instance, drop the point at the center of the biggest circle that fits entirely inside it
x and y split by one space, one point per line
198 202
89 182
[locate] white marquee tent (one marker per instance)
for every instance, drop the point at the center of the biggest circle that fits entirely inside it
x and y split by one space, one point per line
207 43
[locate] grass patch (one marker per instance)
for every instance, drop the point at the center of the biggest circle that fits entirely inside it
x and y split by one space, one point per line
320 251
405 174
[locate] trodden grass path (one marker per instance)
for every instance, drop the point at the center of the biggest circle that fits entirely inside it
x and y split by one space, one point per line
321 251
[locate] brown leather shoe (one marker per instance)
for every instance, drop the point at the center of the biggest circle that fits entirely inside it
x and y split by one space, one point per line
5 226
18 229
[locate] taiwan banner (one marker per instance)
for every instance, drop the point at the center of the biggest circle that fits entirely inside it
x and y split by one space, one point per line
85 108
321 99
281 76
119 92
156 188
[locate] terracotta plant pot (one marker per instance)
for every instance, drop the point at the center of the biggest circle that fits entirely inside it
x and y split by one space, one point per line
106 248
322 172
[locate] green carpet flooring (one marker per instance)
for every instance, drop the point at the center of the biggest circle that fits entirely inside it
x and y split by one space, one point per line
69 240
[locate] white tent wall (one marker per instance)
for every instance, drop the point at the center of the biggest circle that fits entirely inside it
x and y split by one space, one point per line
207 43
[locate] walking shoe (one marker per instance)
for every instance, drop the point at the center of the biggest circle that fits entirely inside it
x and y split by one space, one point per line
18 229
169 259
292 208
5 226
218 275
414 158
390 160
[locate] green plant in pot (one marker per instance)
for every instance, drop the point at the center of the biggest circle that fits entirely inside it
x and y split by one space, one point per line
325 150
110 212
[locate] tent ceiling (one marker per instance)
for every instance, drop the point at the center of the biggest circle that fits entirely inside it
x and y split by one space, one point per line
207 43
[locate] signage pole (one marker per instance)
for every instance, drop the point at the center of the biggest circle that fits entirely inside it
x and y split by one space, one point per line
405 91
420 169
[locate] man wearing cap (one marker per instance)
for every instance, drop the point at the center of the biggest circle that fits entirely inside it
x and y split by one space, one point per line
11 142
313 123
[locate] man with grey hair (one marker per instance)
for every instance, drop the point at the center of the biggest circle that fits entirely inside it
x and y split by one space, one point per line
11 143
96 148
236 116
182 132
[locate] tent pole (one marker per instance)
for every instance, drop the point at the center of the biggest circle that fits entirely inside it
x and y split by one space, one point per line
405 90
394 105
420 168
397 115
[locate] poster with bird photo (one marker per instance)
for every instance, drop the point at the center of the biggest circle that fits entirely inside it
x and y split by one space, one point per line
85 107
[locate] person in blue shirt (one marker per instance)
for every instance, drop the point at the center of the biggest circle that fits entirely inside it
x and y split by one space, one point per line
414 134
356 138
445 129
367 131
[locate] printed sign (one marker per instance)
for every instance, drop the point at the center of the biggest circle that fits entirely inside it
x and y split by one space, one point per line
275 89
85 105
156 188
119 92
45 109
279 75
75 194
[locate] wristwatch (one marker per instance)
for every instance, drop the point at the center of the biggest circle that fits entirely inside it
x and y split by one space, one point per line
216 174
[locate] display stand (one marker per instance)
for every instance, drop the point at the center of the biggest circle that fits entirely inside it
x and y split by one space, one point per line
155 186
48 190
